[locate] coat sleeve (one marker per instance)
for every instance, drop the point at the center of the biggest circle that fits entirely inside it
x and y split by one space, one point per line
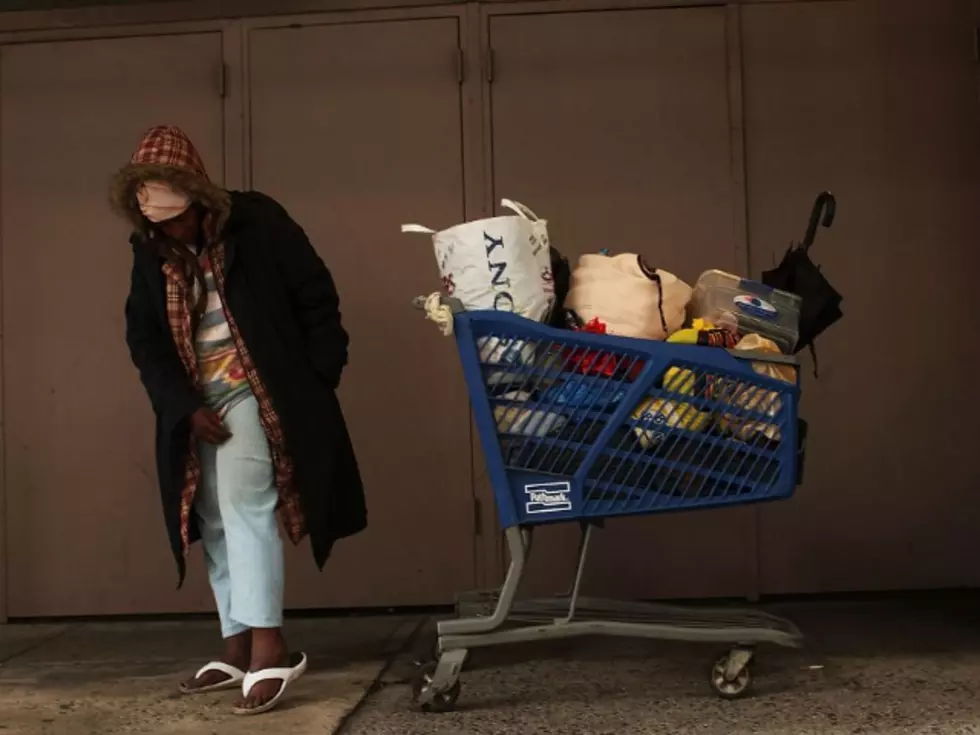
313 296
154 353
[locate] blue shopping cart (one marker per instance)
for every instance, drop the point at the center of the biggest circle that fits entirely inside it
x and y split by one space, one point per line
579 427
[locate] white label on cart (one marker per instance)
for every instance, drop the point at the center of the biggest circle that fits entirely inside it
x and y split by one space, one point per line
548 497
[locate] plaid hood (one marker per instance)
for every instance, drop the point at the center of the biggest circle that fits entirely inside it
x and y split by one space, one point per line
166 153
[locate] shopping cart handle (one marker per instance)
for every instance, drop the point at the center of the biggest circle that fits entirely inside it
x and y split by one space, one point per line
455 305
761 356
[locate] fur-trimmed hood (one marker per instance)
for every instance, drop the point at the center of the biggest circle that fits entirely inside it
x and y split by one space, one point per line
166 154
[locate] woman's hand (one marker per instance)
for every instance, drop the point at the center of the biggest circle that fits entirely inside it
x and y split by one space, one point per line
208 427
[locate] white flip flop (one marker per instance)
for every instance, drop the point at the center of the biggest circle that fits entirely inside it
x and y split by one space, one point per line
234 674
285 675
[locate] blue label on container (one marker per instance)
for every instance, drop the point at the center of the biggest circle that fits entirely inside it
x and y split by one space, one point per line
754 306
548 497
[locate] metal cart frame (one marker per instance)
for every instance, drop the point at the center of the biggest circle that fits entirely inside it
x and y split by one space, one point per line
496 617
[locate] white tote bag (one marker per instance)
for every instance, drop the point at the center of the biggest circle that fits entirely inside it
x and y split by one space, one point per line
499 263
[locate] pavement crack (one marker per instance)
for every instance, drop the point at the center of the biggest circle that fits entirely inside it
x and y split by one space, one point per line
378 683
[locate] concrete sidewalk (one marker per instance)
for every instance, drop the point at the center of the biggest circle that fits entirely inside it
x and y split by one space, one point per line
869 668
108 678
886 669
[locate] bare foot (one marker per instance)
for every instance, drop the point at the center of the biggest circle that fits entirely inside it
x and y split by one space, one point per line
269 651
238 652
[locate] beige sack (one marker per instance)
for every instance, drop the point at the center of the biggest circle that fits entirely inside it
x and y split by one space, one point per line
624 293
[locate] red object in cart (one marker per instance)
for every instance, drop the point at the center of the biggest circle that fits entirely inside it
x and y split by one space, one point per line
593 362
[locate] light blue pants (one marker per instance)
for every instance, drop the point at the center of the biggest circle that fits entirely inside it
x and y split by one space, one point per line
236 512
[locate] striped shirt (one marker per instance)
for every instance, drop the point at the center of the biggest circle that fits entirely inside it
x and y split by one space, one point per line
220 373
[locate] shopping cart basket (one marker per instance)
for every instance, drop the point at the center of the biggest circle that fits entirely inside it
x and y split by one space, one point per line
579 427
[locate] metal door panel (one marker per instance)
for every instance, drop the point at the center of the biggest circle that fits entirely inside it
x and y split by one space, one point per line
356 130
615 127
85 532
876 101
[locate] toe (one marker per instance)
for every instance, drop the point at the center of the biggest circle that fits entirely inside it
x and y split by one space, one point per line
261 694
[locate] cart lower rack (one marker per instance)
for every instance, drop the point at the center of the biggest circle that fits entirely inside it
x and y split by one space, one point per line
579 428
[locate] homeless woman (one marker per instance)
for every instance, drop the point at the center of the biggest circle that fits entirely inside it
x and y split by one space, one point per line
233 323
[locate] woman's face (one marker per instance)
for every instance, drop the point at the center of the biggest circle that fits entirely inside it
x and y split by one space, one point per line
183 228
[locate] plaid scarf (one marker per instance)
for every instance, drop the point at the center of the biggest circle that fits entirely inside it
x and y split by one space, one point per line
179 317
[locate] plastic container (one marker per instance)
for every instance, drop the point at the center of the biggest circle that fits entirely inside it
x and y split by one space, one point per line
750 306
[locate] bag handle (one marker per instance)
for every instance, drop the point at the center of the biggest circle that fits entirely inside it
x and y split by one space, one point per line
418 230
520 209
654 277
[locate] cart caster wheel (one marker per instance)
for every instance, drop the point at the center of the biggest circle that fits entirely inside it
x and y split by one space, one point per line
421 683
731 675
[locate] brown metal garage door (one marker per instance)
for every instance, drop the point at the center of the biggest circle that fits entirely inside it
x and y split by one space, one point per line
356 129
615 127
85 534
877 101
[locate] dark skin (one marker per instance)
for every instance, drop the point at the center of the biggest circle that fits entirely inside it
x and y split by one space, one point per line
257 648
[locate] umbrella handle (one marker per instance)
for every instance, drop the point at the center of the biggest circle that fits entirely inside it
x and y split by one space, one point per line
825 206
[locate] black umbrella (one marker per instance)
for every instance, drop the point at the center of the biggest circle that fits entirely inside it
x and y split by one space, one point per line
799 275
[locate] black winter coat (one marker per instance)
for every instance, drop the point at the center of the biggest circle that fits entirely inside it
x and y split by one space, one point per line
286 307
